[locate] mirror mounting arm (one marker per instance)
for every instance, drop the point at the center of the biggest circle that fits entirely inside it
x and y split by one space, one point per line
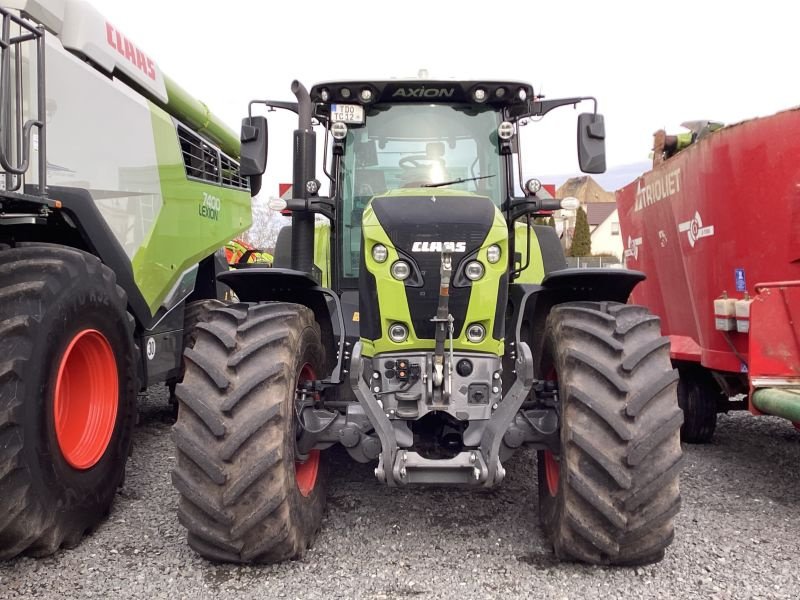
272 105
519 207
318 204
540 108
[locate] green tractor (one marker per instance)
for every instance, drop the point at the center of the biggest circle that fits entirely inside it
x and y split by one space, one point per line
425 326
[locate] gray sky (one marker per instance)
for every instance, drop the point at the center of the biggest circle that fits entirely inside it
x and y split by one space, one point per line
650 64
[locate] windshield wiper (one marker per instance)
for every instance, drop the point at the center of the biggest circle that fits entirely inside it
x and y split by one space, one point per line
454 181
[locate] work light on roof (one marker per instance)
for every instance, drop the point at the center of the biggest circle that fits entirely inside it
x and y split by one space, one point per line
366 95
345 92
522 94
324 94
339 130
479 95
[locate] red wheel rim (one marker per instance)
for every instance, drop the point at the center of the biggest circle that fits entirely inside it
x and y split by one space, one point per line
86 399
305 472
552 472
552 468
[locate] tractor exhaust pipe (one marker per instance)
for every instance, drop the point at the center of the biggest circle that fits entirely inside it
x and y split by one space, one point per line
305 154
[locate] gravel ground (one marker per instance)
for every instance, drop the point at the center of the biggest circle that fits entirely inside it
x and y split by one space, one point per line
736 535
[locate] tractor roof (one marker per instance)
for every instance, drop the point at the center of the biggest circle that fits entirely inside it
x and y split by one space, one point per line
494 93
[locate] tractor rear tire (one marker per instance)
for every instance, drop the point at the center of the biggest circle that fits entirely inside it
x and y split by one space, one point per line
698 397
610 495
245 495
67 396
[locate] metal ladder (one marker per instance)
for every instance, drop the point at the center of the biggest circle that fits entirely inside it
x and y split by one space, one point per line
15 135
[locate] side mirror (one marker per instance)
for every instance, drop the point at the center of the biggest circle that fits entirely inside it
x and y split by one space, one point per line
591 143
253 161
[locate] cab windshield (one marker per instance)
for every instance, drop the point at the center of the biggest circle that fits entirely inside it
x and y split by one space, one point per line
416 145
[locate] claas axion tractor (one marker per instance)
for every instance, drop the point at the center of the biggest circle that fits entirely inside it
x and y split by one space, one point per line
428 328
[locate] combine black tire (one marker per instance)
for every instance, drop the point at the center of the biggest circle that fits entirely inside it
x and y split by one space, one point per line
610 495
244 497
195 313
698 397
66 417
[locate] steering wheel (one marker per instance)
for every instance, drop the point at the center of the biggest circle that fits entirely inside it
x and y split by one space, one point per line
418 162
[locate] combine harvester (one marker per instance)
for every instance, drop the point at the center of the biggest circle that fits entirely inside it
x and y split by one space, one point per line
119 191
716 228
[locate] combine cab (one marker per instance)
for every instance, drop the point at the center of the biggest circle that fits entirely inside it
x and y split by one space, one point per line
716 228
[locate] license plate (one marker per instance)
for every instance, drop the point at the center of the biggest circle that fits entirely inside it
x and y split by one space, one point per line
347 113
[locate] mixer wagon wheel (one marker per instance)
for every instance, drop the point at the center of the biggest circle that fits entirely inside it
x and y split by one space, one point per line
609 495
67 396
698 397
246 495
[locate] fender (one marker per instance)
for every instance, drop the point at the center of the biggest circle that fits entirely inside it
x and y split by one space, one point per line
93 235
530 303
286 285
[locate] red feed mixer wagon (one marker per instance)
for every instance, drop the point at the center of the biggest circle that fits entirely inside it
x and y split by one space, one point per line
716 228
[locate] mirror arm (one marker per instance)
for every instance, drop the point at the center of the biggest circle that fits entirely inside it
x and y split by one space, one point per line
539 108
272 104
318 204
519 207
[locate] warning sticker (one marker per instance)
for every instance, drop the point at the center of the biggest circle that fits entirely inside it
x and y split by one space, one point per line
741 283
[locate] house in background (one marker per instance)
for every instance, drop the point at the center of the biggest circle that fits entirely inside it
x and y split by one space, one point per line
601 211
585 189
604 225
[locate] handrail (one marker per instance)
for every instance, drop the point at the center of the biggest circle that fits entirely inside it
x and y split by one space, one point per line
13 132
777 284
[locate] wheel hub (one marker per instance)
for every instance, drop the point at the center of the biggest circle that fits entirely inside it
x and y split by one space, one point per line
306 471
86 399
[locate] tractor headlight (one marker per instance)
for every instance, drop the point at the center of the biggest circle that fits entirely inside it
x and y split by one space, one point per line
474 270
493 253
398 332
476 333
400 270
379 253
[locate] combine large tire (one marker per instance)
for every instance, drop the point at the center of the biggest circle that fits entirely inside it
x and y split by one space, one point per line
610 495
67 396
245 495
698 396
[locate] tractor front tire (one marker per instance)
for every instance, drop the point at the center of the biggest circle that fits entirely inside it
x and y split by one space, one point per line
67 396
610 495
195 313
245 494
698 397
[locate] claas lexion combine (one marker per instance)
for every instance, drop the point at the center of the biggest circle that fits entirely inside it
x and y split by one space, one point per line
118 192
428 328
